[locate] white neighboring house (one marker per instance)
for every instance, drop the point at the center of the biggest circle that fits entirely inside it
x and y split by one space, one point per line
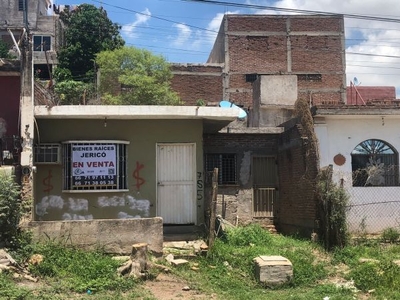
362 143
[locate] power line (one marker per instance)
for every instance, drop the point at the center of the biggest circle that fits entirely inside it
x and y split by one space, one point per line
155 17
370 54
365 17
293 10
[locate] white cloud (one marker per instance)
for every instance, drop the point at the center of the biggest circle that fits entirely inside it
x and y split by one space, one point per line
188 38
129 30
184 34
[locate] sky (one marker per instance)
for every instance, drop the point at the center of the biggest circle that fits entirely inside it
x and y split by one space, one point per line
184 31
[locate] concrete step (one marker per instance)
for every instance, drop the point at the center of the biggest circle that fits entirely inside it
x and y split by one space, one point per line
183 232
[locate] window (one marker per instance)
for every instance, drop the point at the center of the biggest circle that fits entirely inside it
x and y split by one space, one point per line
47 154
22 5
226 164
251 77
309 77
374 163
95 165
41 43
42 71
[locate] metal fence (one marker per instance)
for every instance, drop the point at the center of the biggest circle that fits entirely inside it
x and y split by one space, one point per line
371 208
10 149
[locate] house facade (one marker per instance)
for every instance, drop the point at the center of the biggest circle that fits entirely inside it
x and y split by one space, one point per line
33 18
122 162
158 156
264 64
362 145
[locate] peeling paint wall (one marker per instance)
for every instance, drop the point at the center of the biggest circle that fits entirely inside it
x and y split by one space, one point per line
52 203
235 202
69 208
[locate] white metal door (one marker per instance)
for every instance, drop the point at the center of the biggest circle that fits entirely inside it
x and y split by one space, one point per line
176 182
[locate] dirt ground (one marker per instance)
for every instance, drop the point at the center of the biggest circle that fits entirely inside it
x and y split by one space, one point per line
168 287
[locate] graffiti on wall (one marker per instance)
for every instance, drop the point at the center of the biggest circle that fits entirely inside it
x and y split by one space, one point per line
141 206
78 208
200 186
136 175
47 186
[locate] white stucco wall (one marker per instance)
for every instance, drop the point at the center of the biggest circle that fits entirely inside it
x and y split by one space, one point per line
379 207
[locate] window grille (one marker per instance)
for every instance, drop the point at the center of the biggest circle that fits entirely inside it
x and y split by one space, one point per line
374 163
21 5
47 154
95 165
226 164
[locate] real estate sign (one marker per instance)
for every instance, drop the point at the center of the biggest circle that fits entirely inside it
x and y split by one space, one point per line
94 165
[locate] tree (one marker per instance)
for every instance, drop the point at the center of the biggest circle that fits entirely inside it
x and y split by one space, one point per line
4 50
135 76
88 31
10 210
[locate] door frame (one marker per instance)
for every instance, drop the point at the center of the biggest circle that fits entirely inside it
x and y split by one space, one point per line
194 173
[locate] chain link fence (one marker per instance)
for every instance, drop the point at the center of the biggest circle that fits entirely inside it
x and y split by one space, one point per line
371 208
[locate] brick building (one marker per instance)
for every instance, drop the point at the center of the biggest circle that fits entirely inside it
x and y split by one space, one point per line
310 47
264 63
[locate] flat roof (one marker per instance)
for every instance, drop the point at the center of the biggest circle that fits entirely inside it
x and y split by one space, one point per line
134 112
357 110
214 118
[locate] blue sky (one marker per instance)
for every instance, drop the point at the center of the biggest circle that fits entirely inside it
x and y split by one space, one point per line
184 31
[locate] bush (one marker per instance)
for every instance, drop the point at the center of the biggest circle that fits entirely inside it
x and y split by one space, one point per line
390 235
333 201
10 211
72 92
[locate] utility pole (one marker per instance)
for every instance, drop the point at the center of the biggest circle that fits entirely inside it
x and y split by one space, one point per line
26 107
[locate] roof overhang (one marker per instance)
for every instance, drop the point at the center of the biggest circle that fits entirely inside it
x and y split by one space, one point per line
9 67
356 112
214 118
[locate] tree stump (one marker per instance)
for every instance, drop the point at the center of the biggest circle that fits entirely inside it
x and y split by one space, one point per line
139 260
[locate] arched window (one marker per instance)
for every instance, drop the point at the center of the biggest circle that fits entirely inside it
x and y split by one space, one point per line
374 163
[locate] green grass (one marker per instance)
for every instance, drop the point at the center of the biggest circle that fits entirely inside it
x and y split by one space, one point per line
8 289
69 273
227 271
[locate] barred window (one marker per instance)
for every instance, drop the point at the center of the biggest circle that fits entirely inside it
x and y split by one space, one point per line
226 164
22 5
374 163
95 165
41 43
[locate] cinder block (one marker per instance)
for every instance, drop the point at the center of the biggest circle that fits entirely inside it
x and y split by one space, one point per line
273 270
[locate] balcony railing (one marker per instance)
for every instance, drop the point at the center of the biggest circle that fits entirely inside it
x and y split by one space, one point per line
10 150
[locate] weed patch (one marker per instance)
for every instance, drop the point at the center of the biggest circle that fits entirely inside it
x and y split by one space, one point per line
81 271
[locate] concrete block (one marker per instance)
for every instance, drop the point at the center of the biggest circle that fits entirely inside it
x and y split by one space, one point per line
273 270
178 262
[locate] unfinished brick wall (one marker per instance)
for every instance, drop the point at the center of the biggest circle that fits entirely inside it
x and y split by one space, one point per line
234 202
270 44
287 45
297 167
257 54
195 82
